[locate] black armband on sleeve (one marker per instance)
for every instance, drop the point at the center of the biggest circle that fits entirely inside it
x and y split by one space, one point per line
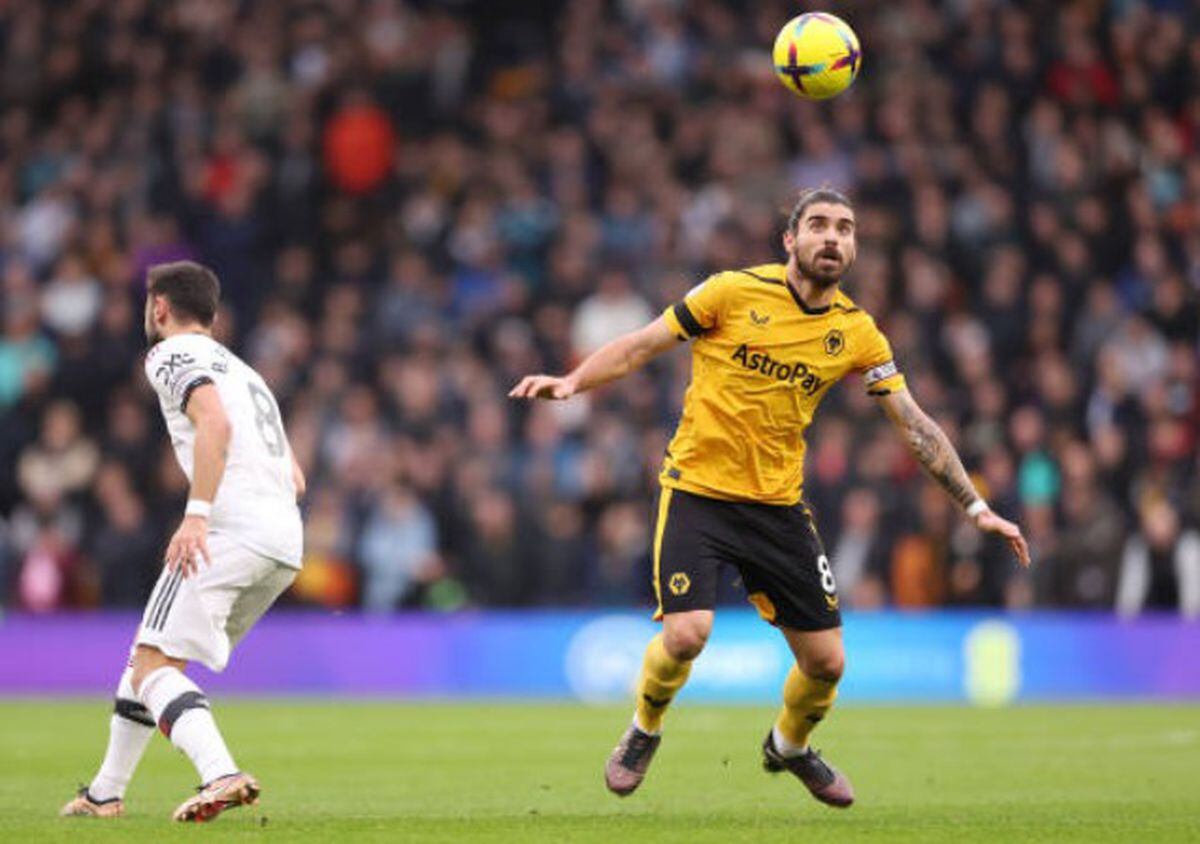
187 391
693 328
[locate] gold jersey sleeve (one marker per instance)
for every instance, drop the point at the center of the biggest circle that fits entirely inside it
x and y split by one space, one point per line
761 363
877 363
703 308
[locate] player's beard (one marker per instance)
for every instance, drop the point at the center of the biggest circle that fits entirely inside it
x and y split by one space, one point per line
817 271
152 335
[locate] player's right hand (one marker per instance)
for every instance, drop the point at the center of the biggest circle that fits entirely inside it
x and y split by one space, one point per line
188 545
543 387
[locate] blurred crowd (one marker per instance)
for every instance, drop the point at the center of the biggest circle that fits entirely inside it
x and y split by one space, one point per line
412 204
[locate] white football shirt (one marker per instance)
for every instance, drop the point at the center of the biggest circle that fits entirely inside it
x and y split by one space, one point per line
256 499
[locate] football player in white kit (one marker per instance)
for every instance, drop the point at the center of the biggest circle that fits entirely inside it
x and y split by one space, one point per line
236 550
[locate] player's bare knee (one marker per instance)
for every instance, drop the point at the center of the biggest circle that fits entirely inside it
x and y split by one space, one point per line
146 660
685 641
827 666
685 646
143 662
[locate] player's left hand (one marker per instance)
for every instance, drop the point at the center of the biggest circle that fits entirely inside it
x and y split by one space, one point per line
189 543
989 522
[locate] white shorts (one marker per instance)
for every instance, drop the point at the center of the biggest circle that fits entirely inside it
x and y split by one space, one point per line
203 616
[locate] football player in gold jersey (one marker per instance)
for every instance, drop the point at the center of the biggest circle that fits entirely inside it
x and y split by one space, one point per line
767 344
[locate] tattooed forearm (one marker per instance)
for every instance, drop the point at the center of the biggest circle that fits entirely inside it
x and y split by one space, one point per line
933 450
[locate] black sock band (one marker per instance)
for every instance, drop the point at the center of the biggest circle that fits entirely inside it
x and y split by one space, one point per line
131 710
88 795
176 708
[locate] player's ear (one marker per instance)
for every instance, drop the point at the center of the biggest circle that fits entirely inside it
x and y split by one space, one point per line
789 240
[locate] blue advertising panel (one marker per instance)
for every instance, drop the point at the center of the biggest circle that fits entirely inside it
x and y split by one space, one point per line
892 657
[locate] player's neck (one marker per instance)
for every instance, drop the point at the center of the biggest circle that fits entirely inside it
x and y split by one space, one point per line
173 329
812 295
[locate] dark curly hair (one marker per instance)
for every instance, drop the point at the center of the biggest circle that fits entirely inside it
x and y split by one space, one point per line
813 196
191 290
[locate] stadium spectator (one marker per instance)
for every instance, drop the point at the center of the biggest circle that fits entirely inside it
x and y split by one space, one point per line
859 559
27 357
398 549
124 547
63 460
1160 565
70 299
1084 558
615 308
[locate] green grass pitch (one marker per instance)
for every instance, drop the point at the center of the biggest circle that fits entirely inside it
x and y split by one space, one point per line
532 773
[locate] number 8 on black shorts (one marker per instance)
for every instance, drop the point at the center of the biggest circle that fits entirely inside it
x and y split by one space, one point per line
775 548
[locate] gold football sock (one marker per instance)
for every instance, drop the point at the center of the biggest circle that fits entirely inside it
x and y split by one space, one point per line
805 702
662 676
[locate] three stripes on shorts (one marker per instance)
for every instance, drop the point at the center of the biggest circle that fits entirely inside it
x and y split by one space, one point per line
163 599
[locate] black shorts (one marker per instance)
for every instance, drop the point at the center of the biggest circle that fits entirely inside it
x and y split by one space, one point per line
775 549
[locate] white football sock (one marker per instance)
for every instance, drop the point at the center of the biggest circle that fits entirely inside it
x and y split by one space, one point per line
643 729
785 747
129 732
182 712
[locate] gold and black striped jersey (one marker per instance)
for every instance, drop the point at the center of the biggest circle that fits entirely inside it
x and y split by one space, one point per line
761 363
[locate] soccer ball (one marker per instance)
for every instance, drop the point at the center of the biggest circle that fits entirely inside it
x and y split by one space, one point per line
817 55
